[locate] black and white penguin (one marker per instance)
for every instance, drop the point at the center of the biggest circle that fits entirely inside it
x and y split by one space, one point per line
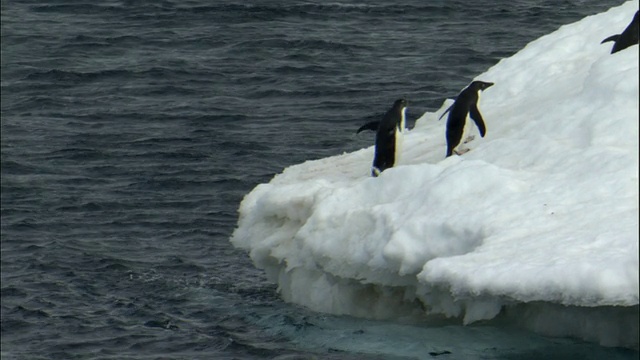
466 103
389 138
627 38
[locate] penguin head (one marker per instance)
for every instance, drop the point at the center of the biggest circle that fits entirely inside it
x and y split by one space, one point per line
400 104
480 85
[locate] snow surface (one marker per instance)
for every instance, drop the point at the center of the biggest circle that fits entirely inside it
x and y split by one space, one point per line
537 223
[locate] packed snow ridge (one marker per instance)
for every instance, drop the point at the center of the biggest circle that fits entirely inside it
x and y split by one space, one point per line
537 224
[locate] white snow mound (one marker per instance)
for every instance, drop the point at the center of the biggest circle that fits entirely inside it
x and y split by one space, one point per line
538 219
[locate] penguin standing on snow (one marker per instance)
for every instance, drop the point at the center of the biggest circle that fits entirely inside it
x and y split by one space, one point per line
466 103
389 138
627 38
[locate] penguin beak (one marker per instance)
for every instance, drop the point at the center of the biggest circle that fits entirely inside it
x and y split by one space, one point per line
486 85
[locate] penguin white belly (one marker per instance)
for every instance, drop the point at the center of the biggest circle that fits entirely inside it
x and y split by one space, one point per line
469 130
398 150
399 135
467 135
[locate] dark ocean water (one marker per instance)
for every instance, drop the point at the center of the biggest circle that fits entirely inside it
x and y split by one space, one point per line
131 130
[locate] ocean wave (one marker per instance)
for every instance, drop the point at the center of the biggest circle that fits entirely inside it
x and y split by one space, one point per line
59 75
337 8
86 8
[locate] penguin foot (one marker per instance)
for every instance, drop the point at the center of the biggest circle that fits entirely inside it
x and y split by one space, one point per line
469 138
461 151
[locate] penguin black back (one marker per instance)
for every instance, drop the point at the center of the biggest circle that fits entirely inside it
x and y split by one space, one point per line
466 103
627 38
389 129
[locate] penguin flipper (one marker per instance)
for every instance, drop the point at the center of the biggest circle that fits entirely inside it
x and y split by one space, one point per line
611 38
373 125
477 118
446 111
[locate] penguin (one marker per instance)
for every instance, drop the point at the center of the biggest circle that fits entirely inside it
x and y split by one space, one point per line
466 103
389 138
627 38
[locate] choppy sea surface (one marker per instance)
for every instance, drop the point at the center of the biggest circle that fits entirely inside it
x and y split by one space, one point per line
131 130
